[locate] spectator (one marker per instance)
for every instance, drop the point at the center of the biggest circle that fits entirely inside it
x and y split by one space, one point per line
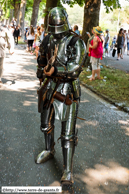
75 29
12 22
16 34
20 30
25 34
12 30
37 41
30 39
120 44
87 48
113 43
42 32
128 43
6 38
28 32
15 23
96 52
107 41
114 40
125 44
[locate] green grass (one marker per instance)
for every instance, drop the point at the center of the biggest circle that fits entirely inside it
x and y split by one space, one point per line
116 86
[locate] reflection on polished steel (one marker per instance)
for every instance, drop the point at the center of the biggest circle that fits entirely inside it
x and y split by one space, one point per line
58 21
68 65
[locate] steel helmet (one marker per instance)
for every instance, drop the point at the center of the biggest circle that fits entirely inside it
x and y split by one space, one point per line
58 21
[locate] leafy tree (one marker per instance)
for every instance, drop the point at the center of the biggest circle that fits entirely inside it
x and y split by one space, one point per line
91 12
28 10
14 4
49 5
22 15
75 15
111 19
35 12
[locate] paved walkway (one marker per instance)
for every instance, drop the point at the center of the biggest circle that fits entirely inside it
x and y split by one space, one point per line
122 64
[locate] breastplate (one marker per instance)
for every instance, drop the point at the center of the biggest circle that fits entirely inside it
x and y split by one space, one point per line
62 56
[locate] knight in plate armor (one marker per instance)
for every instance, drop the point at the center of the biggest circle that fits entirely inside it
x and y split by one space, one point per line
62 54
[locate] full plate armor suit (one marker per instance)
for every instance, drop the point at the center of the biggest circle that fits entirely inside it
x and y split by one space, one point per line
61 90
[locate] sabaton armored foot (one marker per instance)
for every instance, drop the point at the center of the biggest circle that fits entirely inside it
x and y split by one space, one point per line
67 178
49 151
45 156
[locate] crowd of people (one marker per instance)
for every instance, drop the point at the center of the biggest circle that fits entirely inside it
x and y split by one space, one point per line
98 46
119 42
33 37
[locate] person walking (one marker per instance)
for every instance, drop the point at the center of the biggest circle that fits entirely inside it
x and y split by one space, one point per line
96 52
16 34
37 41
125 44
120 44
12 30
6 38
128 43
107 41
30 39
25 34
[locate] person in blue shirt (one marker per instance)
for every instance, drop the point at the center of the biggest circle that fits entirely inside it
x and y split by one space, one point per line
75 28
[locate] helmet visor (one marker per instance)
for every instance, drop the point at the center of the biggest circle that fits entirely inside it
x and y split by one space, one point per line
57 29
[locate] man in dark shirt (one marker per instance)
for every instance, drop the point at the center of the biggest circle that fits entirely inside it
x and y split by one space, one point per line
16 34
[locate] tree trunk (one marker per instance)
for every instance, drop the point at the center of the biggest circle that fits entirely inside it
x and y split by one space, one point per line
91 17
16 10
35 12
22 15
49 5
11 15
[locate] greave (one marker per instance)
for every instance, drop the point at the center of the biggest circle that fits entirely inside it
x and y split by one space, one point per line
49 151
49 139
68 147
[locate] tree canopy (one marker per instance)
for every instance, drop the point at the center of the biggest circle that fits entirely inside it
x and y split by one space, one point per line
13 5
109 4
10 4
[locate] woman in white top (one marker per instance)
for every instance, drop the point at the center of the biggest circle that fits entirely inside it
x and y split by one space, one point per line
128 43
30 38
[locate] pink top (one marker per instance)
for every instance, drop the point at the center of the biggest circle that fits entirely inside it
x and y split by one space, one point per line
98 51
